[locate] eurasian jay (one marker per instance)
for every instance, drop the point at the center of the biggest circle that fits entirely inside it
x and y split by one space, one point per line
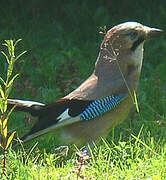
104 99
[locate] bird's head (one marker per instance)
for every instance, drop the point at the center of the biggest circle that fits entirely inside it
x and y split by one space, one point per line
129 36
121 51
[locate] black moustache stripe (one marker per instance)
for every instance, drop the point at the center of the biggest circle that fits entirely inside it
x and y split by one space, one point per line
137 43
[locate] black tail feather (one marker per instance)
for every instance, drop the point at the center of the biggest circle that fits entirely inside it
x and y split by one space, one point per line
31 107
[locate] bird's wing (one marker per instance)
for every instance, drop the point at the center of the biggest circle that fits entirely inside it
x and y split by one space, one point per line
65 112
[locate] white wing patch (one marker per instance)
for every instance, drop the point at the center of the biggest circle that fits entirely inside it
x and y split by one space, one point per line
64 115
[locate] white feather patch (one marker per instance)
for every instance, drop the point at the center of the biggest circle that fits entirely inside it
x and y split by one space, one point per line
137 56
24 102
64 115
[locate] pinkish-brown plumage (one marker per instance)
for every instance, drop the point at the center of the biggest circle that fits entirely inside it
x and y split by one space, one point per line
116 72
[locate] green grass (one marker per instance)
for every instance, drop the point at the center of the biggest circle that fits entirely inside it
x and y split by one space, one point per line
130 159
63 35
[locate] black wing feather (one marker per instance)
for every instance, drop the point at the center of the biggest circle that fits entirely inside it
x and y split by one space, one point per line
48 114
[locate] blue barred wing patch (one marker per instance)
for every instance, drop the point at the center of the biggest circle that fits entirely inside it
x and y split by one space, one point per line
101 106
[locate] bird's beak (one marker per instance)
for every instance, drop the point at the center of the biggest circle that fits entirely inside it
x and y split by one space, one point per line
153 32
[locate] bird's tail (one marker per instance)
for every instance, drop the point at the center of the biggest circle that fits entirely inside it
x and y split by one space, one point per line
31 107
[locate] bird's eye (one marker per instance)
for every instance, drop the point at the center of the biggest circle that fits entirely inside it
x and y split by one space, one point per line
133 35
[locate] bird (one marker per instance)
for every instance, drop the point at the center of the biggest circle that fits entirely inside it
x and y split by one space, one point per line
104 99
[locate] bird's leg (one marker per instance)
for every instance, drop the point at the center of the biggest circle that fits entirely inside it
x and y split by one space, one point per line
62 151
